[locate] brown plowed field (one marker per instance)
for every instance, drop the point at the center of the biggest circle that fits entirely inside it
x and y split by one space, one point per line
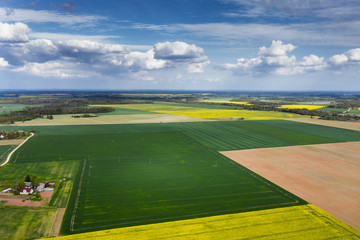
11 142
327 175
338 124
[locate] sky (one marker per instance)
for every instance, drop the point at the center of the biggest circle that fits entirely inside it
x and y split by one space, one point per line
245 45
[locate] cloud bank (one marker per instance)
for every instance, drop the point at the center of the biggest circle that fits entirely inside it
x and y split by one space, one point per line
79 58
277 60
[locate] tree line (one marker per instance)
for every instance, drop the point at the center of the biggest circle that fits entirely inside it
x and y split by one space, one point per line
29 113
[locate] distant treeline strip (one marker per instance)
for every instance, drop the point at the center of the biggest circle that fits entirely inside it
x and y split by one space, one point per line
29 113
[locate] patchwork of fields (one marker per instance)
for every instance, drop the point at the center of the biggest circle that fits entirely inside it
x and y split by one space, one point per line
205 112
134 174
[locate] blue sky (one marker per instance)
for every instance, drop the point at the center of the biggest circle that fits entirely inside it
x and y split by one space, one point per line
180 44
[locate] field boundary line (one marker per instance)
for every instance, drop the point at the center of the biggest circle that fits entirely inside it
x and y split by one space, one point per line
10 154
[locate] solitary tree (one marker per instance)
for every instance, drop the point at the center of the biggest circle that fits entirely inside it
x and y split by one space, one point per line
27 178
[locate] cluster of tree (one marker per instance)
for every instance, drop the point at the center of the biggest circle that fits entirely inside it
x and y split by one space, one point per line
323 114
29 113
85 115
355 103
14 135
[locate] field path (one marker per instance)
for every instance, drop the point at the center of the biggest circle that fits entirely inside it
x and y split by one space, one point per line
10 154
326 175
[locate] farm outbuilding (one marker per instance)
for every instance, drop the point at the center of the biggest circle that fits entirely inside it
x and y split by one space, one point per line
6 190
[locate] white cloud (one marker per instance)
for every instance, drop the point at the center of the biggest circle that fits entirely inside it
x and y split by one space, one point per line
177 51
53 69
350 57
44 16
275 59
79 58
343 33
17 32
339 59
329 9
66 36
181 52
276 49
3 63
143 60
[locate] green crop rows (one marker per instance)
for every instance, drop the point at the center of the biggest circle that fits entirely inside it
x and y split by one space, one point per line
235 135
143 178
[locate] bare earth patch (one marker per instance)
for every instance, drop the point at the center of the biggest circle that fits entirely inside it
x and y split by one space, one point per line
20 200
326 175
11 142
338 124
66 119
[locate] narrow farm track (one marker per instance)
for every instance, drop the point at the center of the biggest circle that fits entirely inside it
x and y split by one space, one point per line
10 154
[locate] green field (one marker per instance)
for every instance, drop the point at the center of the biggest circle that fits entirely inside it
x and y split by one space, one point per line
236 135
4 151
133 174
125 111
25 223
46 171
13 107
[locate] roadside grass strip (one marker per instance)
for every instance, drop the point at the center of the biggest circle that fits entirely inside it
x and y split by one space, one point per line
296 222
207 113
308 107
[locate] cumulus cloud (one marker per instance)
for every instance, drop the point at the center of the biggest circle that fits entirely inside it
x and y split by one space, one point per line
181 52
69 58
348 58
177 51
17 32
139 60
3 62
275 59
52 69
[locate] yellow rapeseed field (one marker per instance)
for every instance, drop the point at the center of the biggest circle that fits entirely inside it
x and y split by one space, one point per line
205 113
308 107
298 222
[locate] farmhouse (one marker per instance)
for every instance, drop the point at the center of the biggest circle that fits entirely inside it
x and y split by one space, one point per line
26 190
